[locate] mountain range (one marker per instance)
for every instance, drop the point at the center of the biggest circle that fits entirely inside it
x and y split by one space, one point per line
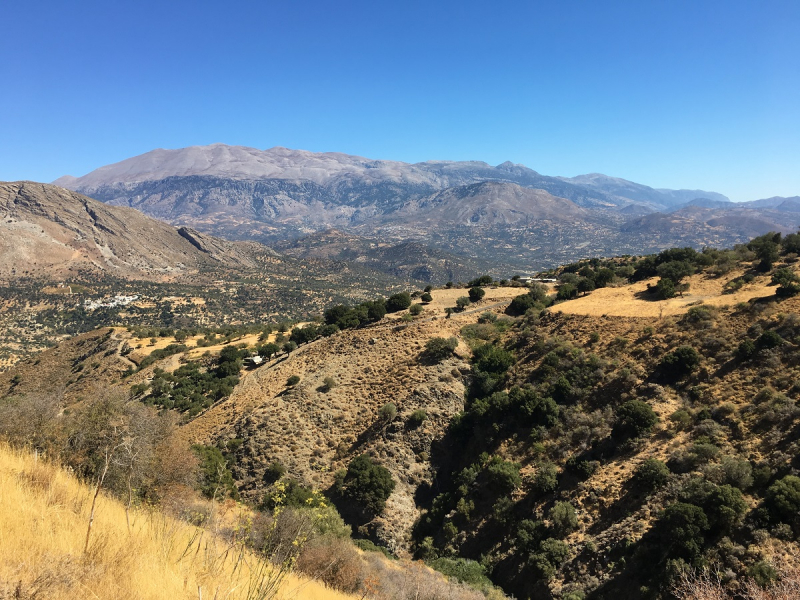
507 214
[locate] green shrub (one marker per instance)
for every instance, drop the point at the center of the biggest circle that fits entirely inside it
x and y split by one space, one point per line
563 519
426 297
438 349
476 294
370 546
462 302
388 412
783 499
293 380
415 310
503 475
546 478
682 528
398 302
763 573
680 362
216 481
746 349
681 418
769 339
651 474
566 291
274 472
463 570
416 418
492 359
368 484
634 418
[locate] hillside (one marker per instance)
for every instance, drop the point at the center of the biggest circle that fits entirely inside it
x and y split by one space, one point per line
408 260
46 231
506 213
597 447
43 522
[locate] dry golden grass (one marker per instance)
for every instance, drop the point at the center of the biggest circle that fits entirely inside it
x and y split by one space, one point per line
446 298
623 301
43 523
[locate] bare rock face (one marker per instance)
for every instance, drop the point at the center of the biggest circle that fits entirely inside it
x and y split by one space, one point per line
47 230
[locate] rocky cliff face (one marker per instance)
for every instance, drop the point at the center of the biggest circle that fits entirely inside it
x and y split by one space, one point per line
47 230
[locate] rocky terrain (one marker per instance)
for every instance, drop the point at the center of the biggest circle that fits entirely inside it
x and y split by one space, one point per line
506 214
49 231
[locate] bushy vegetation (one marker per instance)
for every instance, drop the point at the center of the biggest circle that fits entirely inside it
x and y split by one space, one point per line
193 387
367 484
574 405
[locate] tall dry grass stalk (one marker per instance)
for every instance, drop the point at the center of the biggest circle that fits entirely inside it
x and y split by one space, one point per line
43 524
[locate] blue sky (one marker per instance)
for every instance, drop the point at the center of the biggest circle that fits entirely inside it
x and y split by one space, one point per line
663 92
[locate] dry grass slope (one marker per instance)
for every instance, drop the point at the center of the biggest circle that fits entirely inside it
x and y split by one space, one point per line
43 522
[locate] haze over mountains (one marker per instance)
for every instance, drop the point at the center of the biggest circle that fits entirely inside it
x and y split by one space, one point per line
508 214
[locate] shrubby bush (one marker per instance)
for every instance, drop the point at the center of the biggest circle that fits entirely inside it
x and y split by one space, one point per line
367 483
634 419
438 349
680 362
651 474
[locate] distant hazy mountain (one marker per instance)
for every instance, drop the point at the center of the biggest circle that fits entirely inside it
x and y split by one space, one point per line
353 179
506 214
773 202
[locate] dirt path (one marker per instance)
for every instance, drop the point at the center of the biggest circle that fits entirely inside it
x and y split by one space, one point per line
127 361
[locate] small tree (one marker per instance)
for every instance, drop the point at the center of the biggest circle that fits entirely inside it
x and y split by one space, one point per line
476 294
585 285
289 347
415 309
268 350
462 302
368 484
788 283
398 302
566 291
426 297
767 249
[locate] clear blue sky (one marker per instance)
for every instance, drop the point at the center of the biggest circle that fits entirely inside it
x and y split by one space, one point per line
669 93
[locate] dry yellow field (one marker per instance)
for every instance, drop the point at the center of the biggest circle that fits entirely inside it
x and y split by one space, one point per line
43 522
446 298
627 300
